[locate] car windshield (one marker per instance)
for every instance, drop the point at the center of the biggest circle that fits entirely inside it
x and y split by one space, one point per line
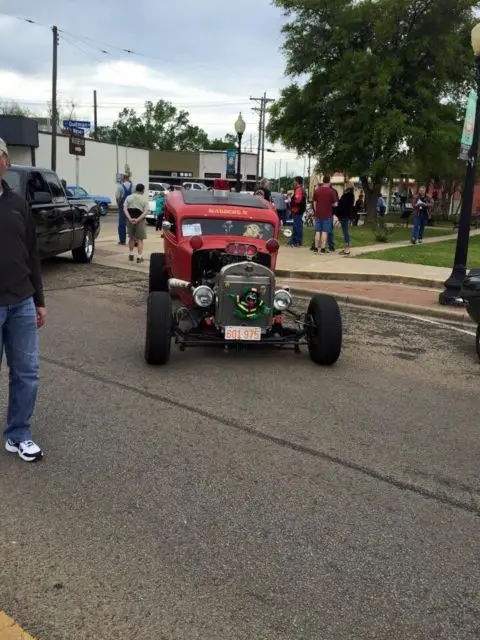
222 227
77 192
12 178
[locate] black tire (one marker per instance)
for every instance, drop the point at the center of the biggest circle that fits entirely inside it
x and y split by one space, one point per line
159 328
103 209
85 252
158 276
325 335
478 341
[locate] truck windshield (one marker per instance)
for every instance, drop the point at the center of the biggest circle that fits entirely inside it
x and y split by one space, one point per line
222 227
13 179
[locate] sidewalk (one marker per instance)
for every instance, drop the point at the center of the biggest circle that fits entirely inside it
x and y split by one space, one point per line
396 286
394 297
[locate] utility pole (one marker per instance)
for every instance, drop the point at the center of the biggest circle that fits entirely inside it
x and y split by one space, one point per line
261 132
95 114
54 99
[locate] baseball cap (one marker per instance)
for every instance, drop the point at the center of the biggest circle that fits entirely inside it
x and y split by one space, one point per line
3 147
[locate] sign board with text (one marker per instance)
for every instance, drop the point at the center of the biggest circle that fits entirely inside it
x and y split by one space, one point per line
77 145
77 124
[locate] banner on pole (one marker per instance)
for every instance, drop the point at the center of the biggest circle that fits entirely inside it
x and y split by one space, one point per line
231 157
468 126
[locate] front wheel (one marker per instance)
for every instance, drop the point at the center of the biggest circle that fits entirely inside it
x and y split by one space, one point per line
159 328
84 253
324 330
478 341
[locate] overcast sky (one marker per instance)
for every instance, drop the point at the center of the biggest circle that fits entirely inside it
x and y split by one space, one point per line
206 57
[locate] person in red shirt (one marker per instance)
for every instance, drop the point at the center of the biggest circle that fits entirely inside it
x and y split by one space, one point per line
298 206
325 199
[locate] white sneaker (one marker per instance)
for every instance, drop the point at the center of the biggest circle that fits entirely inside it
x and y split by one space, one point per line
27 450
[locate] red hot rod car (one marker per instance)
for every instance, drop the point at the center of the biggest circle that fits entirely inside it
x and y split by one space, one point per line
220 252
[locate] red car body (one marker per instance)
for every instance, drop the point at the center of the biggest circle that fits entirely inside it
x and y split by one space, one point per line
215 209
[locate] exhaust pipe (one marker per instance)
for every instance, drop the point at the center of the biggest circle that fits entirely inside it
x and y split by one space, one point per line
175 283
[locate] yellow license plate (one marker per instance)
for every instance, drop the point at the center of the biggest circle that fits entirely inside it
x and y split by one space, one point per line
243 333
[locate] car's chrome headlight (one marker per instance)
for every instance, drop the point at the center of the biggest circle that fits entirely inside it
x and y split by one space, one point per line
282 300
203 296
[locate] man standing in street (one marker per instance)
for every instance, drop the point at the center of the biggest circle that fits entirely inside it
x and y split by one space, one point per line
298 206
325 199
136 209
124 189
22 313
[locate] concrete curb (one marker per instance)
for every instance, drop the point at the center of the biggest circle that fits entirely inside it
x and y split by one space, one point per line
361 277
441 314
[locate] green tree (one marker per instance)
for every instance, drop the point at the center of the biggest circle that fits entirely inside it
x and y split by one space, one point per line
218 144
160 126
369 78
14 109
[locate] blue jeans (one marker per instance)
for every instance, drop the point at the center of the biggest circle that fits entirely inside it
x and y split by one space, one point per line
297 236
122 226
345 224
419 222
19 339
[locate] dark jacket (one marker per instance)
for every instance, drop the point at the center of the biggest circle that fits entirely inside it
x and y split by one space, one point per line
20 273
346 205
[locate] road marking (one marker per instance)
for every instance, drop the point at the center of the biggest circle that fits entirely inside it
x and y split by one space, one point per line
10 630
404 314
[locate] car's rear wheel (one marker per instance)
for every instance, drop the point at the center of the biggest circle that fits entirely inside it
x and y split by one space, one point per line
158 275
85 252
103 209
324 329
159 328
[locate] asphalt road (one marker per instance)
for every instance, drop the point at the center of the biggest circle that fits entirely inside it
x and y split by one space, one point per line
243 496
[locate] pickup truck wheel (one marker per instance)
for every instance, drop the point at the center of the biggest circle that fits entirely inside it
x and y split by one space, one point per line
324 335
158 276
85 252
103 209
159 328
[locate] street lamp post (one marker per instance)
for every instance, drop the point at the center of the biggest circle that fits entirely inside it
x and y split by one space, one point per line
240 130
453 286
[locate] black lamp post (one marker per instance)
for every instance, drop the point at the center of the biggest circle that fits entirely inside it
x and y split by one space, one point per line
240 130
453 285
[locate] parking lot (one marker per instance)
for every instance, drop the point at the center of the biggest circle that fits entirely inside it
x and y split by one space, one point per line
243 495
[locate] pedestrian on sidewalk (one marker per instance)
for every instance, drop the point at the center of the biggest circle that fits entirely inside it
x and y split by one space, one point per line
345 213
124 189
136 209
358 209
325 200
22 313
159 211
263 190
421 211
280 204
298 206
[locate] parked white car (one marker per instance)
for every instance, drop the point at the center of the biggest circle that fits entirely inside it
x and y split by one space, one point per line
195 186
156 188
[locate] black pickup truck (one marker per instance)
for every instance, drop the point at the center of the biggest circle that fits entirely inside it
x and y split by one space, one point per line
63 224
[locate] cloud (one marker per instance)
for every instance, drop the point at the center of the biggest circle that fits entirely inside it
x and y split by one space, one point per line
207 60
